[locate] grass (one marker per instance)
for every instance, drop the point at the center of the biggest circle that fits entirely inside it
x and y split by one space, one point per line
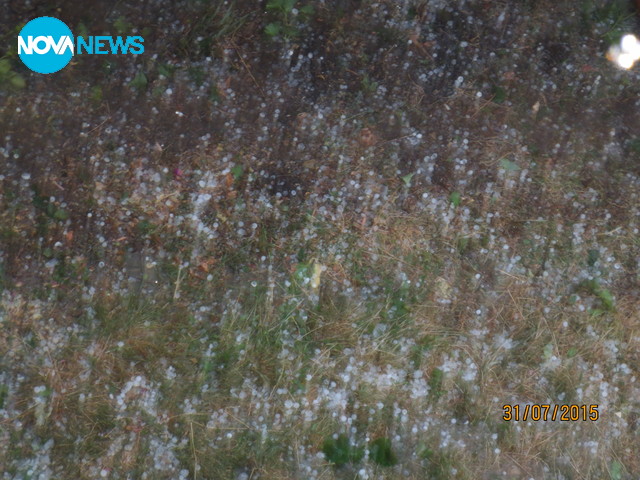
316 291
210 26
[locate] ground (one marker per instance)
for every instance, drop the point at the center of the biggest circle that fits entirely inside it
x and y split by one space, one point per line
322 240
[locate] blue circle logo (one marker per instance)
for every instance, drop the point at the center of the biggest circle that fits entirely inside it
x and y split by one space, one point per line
45 45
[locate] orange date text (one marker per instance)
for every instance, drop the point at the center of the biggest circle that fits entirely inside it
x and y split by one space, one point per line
546 412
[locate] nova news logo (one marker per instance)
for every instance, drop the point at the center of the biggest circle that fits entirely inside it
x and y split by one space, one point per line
46 45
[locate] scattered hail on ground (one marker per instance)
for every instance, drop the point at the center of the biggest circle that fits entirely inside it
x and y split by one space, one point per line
322 240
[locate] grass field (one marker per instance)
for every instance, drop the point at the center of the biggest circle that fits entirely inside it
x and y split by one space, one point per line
322 240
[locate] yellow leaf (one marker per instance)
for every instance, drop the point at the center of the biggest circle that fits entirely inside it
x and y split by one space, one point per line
317 272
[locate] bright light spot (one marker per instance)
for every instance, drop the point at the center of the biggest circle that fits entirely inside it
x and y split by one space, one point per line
629 43
625 54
